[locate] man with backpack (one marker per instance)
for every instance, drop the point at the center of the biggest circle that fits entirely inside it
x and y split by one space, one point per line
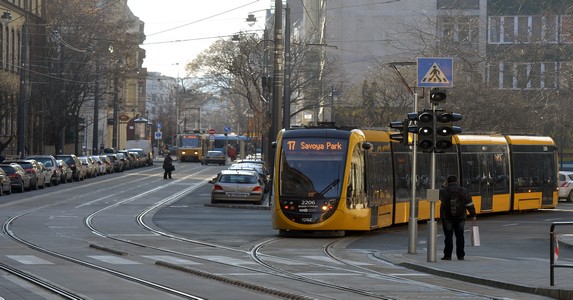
455 201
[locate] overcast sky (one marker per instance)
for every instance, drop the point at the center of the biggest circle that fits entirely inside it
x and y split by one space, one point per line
178 30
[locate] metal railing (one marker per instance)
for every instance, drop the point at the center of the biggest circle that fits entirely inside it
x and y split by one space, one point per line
552 264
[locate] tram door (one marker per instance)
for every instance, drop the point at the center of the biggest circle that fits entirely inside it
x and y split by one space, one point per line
486 180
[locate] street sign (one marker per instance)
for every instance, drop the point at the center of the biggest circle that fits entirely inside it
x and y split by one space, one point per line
158 135
159 125
211 137
211 131
227 129
435 72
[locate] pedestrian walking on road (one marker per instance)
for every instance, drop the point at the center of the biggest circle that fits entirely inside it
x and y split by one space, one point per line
455 201
168 166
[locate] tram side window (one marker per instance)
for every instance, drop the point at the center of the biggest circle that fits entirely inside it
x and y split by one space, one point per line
471 170
446 164
402 176
379 177
500 172
529 169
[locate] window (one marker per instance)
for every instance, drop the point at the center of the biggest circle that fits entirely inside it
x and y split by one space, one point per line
460 29
507 75
458 4
528 29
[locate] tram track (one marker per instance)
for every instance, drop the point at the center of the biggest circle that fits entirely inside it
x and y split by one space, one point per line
256 253
65 292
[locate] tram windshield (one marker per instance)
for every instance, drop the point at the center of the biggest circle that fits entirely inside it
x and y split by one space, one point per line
189 141
312 167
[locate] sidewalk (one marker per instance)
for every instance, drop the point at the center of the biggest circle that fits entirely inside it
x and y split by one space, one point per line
520 274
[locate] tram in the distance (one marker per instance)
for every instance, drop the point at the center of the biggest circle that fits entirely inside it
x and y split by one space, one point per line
329 179
190 146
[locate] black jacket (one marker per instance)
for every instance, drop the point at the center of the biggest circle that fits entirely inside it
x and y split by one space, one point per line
167 162
464 196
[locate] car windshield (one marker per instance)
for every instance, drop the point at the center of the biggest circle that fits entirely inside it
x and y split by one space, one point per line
8 170
45 160
214 153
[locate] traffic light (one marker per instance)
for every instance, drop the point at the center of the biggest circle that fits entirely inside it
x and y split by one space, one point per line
437 95
426 130
404 128
402 135
445 129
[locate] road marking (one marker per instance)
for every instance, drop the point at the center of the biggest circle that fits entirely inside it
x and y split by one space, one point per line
29 260
114 260
227 260
171 259
323 259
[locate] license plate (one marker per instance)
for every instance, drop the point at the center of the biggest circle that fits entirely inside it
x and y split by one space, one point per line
237 195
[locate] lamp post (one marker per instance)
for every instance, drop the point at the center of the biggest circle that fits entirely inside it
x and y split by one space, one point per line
413 221
21 125
118 67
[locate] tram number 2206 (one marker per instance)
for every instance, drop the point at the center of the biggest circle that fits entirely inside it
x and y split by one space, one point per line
307 203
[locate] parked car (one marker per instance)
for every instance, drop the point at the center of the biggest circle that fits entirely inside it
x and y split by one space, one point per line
117 163
124 158
31 167
75 164
566 185
214 157
49 162
108 164
237 185
5 183
146 156
91 168
259 168
46 173
66 171
101 167
19 179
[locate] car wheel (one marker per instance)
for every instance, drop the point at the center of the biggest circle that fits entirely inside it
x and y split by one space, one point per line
570 197
35 186
9 190
22 186
1 190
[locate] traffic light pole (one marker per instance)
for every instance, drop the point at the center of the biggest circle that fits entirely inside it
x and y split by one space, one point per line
413 222
433 197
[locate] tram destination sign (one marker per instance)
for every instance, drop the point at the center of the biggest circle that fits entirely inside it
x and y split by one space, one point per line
315 146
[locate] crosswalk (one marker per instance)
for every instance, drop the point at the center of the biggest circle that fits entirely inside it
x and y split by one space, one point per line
198 260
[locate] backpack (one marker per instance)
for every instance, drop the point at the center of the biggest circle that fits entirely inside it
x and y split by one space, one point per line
455 206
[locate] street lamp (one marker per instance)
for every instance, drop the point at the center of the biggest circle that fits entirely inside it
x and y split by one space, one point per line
118 68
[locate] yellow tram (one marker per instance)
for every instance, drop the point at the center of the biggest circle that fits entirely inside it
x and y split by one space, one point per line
190 146
329 179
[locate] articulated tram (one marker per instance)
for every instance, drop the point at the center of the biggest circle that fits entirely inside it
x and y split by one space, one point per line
329 179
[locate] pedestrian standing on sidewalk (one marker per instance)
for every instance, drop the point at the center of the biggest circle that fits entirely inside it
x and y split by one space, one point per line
167 166
455 201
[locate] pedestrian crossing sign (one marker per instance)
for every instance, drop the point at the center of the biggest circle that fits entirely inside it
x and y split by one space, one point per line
435 72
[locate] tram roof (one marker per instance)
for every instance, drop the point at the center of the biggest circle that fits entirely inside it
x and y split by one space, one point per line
316 132
529 140
471 139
